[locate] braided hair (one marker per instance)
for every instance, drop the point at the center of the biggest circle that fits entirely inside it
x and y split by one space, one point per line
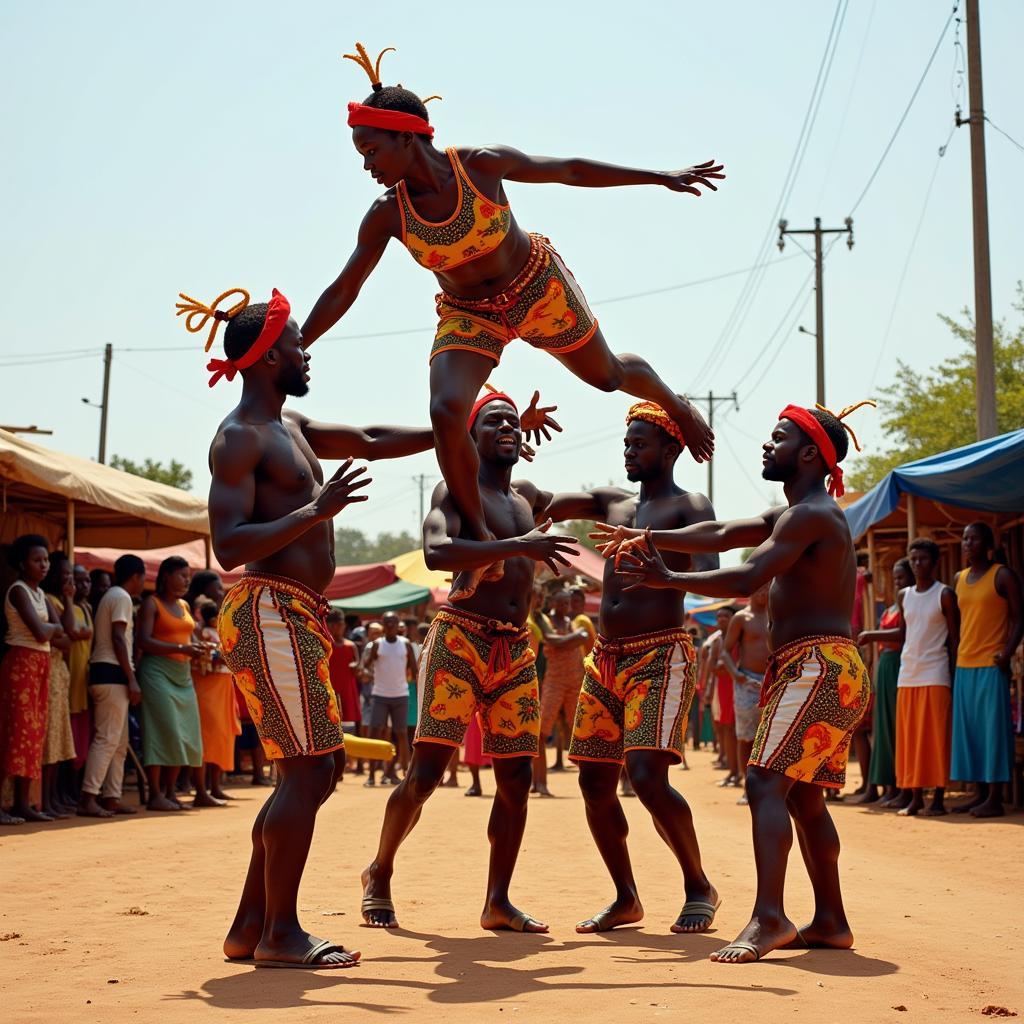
243 329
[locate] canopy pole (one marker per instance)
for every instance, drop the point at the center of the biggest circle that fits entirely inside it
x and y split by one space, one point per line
869 593
69 529
911 518
208 546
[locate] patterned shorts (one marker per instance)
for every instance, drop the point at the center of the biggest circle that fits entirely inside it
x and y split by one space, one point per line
636 696
470 663
816 691
544 306
276 643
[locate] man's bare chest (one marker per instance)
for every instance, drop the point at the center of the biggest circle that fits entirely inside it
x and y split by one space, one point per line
289 465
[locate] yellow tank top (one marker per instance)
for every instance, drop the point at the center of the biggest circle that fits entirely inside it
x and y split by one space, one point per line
984 620
478 225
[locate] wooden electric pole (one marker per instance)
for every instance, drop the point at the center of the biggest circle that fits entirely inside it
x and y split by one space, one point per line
819 296
711 400
985 372
108 355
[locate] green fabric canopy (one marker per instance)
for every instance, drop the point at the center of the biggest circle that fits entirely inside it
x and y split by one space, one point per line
385 599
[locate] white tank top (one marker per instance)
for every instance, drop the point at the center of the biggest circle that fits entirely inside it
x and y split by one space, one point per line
389 668
18 634
925 658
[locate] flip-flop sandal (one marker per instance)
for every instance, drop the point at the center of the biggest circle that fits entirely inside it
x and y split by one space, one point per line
371 903
520 921
599 921
746 947
697 908
310 962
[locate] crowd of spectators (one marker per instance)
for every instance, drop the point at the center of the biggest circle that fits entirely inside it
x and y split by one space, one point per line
99 674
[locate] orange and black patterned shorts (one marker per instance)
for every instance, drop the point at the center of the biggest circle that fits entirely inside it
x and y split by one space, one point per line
816 691
636 696
275 642
470 663
544 306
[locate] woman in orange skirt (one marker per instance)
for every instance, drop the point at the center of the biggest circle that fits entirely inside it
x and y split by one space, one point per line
218 715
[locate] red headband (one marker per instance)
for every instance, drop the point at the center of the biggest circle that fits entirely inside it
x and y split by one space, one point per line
809 424
491 396
278 311
391 120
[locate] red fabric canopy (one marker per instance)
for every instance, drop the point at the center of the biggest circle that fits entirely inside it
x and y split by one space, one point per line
349 580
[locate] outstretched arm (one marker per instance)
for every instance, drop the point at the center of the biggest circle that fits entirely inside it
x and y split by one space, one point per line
569 505
234 458
513 165
796 529
375 232
699 538
338 441
444 549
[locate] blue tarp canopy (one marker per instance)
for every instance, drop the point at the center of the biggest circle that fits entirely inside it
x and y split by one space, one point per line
987 476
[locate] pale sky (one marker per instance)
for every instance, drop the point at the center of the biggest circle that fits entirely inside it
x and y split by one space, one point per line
155 148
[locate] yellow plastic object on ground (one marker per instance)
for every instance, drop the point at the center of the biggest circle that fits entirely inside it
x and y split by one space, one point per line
367 749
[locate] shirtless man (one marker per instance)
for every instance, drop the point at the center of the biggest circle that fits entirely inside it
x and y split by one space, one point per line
639 679
477 657
747 631
271 510
816 687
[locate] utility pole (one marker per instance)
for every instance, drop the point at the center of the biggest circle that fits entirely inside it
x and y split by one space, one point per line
422 481
711 399
985 373
108 355
819 296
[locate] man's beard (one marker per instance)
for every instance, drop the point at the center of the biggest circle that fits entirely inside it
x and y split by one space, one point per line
773 472
294 383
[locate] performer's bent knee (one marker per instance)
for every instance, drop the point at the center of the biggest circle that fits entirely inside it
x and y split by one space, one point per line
514 778
450 410
598 782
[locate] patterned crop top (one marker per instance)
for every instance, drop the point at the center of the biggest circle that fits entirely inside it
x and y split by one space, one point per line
478 226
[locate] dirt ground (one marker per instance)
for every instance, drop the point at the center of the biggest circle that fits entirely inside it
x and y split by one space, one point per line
123 920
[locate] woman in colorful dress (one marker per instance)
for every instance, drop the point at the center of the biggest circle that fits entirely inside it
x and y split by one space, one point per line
171 734
32 625
883 739
991 627
215 692
59 747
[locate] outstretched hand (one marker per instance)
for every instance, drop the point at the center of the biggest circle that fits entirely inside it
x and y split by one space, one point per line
614 541
536 420
644 568
688 178
549 548
340 490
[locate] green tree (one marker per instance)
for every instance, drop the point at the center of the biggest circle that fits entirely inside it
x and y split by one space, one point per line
927 413
174 474
353 547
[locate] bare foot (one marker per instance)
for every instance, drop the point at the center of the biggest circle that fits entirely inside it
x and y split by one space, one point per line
31 814
934 811
161 803
541 789
700 438
452 782
505 917
243 937
626 910
968 808
823 936
755 941
208 801
869 796
116 807
989 809
90 807
10 819
377 887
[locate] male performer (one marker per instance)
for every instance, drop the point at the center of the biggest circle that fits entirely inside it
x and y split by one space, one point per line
816 687
271 509
477 657
747 637
449 209
639 679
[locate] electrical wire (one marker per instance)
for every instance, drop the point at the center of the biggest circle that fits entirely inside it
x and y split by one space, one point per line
1005 134
906 110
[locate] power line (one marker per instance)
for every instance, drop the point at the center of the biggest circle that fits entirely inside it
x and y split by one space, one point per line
906 111
1005 134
